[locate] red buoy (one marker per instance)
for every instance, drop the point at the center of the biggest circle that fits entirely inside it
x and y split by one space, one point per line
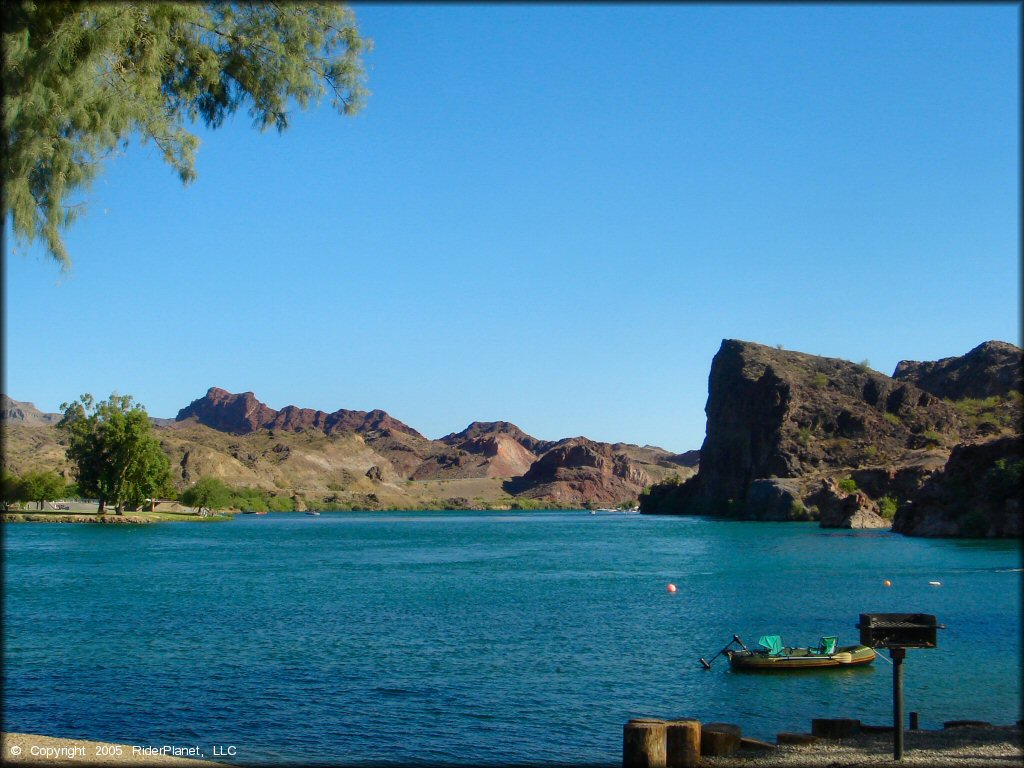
671 587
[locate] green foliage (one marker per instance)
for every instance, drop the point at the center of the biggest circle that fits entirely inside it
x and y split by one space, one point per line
992 413
820 380
280 504
41 487
1002 481
11 491
932 438
887 506
864 364
207 493
892 418
848 485
804 435
797 511
80 79
111 444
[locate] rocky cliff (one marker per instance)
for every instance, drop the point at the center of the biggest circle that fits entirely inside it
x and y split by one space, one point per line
17 412
792 436
992 369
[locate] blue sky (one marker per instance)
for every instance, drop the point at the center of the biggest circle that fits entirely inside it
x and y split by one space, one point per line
553 215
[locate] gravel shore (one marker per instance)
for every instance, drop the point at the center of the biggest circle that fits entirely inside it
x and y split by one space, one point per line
968 747
973 747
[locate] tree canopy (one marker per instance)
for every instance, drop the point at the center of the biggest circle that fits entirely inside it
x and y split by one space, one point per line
81 78
41 487
116 456
208 493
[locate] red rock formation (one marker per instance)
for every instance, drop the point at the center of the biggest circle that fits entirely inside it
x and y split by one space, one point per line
578 470
241 414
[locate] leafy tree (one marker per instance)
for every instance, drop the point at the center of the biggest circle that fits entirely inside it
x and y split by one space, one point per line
208 493
81 78
11 491
41 487
111 444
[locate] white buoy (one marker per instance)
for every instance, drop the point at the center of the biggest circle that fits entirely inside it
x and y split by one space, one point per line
935 583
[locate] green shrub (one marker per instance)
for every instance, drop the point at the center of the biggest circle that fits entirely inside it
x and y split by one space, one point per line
892 418
820 380
932 438
848 485
887 506
1002 480
280 504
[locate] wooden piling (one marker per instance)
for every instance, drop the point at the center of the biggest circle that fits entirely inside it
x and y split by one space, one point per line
682 743
835 727
914 722
719 739
643 743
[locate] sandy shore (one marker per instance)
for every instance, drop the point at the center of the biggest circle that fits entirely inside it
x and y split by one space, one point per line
29 749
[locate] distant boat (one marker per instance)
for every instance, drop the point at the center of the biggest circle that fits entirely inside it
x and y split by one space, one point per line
253 512
606 509
311 512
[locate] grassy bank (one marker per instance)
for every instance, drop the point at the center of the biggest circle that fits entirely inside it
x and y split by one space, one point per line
110 518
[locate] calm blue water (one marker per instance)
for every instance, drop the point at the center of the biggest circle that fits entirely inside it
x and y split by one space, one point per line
477 638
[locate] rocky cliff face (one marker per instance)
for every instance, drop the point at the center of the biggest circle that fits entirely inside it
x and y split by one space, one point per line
775 413
796 436
977 494
992 369
17 412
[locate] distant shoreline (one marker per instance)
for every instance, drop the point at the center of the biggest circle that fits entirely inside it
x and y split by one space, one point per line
109 518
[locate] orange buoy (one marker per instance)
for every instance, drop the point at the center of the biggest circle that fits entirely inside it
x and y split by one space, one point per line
671 587
887 583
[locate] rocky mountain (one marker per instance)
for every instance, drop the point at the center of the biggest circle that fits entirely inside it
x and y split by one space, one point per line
991 369
16 412
798 436
368 460
242 414
579 470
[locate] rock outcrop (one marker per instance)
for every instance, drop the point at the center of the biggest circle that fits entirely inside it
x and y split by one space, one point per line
17 412
838 508
992 369
779 414
579 470
977 494
792 436
243 413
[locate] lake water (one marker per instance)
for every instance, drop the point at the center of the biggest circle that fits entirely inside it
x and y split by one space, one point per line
483 638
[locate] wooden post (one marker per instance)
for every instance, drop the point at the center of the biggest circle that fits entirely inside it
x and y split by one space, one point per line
719 739
682 743
914 723
643 743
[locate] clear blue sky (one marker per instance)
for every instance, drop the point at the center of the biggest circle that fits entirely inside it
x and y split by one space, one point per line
553 216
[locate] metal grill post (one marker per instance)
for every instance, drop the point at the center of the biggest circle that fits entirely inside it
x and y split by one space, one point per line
897 654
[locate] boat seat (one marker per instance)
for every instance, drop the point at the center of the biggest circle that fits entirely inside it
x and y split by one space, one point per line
772 643
827 645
